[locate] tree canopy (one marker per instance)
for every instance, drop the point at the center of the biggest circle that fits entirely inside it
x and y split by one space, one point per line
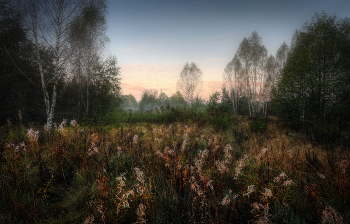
315 80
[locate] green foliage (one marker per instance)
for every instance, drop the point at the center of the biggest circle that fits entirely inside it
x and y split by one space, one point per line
315 77
20 87
128 102
226 102
326 130
215 107
104 93
258 124
285 214
177 100
213 104
148 100
163 99
198 104
220 122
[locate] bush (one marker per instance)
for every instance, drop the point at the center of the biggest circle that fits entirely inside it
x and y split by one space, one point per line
326 130
220 122
258 124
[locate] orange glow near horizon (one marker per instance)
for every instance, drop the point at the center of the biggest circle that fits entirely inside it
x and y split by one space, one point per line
164 76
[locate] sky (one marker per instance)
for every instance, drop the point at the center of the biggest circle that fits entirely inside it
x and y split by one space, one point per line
153 39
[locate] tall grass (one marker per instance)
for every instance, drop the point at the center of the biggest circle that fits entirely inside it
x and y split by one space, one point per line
171 166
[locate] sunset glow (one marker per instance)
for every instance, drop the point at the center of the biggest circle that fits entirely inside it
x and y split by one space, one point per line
153 40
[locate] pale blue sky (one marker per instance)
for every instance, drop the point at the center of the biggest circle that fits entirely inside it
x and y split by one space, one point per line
153 39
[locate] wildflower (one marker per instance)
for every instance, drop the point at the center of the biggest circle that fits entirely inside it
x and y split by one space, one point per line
89 220
167 151
61 127
101 211
226 200
201 157
9 145
221 166
131 192
329 215
32 135
126 203
215 139
280 178
321 175
210 185
195 187
268 193
250 190
140 176
288 182
121 179
158 140
46 128
73 123
256 206
141 190
119 150
184 142
235 196
140 211
22 145
240 165
134 140
93 149
227 151
263 151
216 148
209 142
159 154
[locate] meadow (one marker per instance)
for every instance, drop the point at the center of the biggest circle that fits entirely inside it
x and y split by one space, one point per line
173 166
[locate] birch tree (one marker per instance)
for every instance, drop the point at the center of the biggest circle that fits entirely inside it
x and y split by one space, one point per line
233 81
190 82
252 55
87 35
270 80
281 59
47 22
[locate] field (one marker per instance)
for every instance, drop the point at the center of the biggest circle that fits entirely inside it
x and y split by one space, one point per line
170 166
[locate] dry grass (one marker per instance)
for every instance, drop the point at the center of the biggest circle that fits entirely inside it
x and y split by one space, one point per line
180 173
